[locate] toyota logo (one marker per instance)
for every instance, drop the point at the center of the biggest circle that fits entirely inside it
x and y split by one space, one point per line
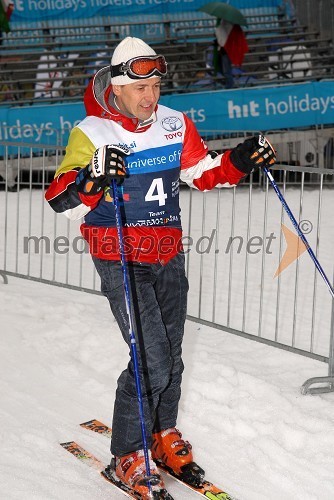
171 123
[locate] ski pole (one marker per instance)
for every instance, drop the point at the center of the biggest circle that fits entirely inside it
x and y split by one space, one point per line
133 342
299 232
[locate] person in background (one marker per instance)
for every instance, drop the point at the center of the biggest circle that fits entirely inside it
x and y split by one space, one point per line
6 10
230 49
148 148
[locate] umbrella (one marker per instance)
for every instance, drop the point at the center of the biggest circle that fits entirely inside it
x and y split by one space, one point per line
224 11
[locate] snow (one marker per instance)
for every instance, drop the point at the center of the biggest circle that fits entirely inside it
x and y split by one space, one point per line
241 407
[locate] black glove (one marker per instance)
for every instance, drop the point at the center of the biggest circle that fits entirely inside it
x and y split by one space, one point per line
254 152
108 163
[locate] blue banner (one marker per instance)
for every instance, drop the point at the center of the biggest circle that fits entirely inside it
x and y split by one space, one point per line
40 124
42 10
261 108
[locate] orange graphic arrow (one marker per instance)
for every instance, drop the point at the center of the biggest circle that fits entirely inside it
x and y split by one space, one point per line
295 248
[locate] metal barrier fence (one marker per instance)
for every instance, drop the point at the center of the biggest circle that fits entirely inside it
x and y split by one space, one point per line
241 250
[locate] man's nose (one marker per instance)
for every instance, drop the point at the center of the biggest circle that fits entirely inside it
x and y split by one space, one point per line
150 93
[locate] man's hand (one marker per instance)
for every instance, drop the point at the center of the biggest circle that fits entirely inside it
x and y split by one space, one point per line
108 163
253 153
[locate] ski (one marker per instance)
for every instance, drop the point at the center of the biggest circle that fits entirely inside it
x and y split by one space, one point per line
87 458
207 489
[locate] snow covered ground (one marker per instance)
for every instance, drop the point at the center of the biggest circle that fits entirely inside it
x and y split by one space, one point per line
251 429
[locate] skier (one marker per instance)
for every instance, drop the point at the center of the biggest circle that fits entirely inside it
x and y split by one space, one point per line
147 148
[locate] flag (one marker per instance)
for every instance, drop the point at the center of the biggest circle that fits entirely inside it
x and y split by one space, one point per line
6 9
232 38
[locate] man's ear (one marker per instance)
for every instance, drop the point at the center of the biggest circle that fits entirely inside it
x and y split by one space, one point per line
116 89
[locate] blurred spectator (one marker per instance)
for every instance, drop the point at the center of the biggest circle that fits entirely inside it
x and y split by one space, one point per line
292 61
230 48
6 9
101 59
46 73
49 77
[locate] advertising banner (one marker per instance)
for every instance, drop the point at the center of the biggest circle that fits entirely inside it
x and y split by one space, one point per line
42 10
261 108
49 124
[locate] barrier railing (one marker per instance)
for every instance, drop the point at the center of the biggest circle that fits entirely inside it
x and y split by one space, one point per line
247 270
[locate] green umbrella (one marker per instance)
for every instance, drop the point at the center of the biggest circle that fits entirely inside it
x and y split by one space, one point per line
224 11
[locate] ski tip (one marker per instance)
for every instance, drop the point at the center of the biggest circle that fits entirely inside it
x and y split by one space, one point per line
89 422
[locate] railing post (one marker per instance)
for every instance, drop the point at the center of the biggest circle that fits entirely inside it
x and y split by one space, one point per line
329 380
4 277
331 348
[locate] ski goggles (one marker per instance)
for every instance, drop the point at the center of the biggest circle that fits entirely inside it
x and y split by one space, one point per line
141 67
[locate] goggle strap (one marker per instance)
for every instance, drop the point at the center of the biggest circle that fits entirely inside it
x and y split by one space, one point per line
116 70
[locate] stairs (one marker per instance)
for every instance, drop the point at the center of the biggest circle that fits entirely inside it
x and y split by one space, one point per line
280 51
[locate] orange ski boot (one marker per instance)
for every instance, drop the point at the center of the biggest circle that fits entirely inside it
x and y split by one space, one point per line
174 454
130 470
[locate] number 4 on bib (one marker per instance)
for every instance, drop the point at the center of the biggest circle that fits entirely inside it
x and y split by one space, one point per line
156 192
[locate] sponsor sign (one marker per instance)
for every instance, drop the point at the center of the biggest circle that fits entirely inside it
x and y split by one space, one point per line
266 108
41 10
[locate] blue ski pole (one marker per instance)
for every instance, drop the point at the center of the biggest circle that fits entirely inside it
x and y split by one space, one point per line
133 342
299 232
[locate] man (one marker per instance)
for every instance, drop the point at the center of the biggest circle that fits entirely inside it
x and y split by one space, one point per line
231 46
147 148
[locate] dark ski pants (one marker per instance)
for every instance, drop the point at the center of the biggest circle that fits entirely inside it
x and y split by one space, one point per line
159 301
